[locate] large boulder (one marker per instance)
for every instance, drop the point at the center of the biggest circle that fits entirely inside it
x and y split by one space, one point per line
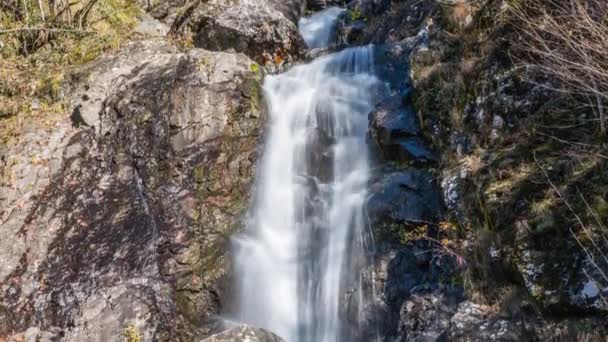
121 225
258 29
265 30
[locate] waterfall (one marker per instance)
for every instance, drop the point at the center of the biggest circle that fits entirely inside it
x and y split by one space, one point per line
318 29
299 264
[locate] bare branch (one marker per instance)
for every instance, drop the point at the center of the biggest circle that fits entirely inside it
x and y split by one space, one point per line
566 41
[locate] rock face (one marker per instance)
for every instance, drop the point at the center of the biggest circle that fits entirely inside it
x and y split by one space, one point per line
567 285
414 298
383 21
244 333
402 198
395 130
265 30
258 29
525 253
123 223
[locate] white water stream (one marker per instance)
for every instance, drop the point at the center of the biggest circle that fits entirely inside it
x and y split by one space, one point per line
299 265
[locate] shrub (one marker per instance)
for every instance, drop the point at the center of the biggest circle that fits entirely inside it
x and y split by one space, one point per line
565 42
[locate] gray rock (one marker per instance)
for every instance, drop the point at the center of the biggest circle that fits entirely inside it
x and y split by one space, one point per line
259 29
413 149
151 27
413 298
265 30
425 317
473 322
124 221
244 333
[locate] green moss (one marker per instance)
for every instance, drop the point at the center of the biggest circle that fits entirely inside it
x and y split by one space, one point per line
187 307
255 68
50 87
199 174
355 14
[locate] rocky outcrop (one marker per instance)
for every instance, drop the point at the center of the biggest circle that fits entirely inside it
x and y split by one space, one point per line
264 30
257 29
563 280
514 231
120 221
414 272
244 333
415 292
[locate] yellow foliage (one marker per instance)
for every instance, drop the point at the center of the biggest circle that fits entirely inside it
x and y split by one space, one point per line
131 334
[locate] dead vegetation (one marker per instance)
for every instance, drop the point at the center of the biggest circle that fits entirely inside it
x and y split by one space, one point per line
565 43
540 177
41 41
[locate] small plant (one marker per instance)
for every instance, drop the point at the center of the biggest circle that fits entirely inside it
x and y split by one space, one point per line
355 14
131 334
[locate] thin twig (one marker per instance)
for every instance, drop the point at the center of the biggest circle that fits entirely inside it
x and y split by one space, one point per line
594 214
586 250
575 143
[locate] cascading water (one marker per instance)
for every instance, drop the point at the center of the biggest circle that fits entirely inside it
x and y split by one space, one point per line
299 266
318 29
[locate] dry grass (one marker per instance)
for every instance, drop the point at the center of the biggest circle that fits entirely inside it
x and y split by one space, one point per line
565 42
35 62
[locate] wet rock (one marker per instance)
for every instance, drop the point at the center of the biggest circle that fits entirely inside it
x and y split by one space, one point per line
413 149
392 65
413 298
318 155
401 199
317 5
352 31
395 131
393 118
124 222
244 333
